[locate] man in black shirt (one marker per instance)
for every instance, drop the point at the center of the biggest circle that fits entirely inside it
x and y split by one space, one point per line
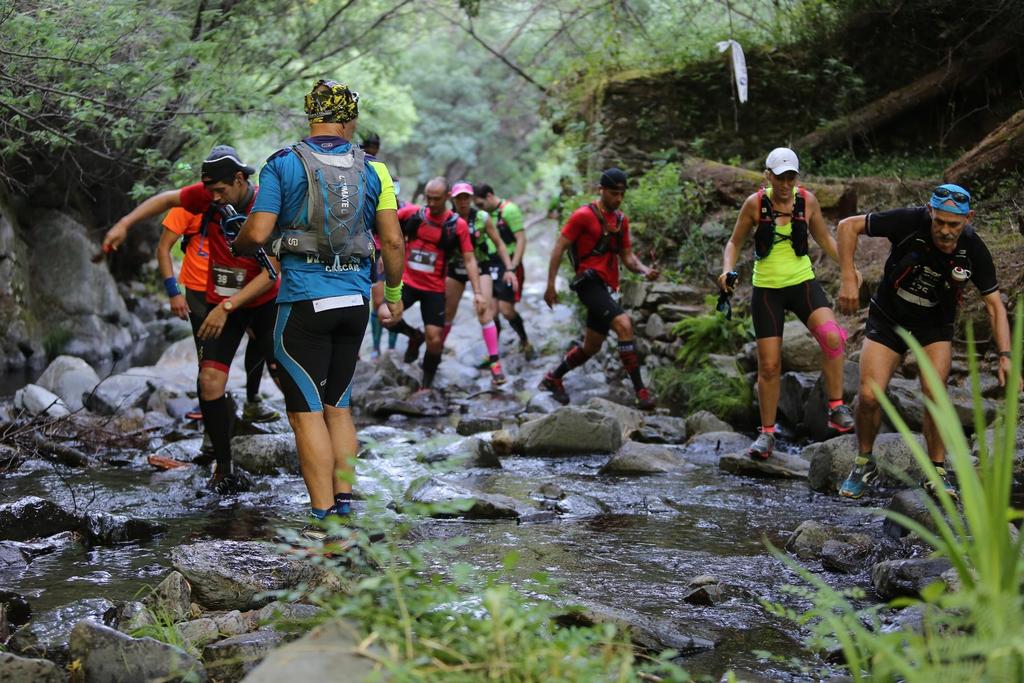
935 253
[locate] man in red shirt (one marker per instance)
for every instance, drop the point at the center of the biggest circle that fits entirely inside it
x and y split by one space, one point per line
431 235
239 292
597 235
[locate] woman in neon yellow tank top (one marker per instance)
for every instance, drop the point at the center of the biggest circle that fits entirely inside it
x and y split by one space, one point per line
782 217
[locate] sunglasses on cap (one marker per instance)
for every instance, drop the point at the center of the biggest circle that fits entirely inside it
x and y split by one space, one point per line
946 193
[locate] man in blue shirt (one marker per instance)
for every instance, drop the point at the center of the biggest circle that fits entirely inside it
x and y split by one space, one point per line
326 253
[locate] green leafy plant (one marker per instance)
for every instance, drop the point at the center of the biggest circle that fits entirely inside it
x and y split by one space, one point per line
976 632
711 333
686 390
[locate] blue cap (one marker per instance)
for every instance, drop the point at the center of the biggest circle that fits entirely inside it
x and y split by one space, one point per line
951 198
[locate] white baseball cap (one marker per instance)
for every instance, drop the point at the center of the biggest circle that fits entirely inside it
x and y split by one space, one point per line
782 159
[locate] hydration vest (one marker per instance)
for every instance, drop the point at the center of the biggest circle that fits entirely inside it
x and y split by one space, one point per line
504 231
449 240
916 252
335 231
608 243
765 237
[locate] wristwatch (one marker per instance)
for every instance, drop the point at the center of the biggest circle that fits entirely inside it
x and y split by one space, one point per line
228 305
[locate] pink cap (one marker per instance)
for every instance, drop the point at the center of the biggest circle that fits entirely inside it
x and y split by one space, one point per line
462 188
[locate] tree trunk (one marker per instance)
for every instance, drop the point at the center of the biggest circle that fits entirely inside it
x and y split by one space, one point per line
888 107
733 185
1001 150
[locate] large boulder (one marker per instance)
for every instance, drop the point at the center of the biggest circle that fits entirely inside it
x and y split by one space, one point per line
173 597
638 458
266 453
908 400
104 528
328 649
19 344
794 388
832 460
630 419
800 350
662 429
647 634
15 669
815 410
73 299
704 421
35 400
708 447
779 466
230 659
118 393
46 635
70 378
570 430
32 517
234 574
456 500
906 578
109 656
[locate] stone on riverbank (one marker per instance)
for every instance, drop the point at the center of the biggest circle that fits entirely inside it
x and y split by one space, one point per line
704 421
328 649
663 429
103 528
230 659
708 447
70 378
638 458
800 351
472 424
35 400
910 503
118 393
46 634
109 656
794 388
838 549
779 466
832 460
630 419
230 574
906 578
14 669
468 452
647 634
570 430
266 453
459 501
173 596
32 517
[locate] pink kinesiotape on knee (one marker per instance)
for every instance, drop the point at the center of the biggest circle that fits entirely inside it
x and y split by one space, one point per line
821 334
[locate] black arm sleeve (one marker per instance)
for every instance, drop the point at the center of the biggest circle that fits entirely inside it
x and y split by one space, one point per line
897 223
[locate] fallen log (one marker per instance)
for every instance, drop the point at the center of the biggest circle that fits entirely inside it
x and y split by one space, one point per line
886 108
1001 150
65 455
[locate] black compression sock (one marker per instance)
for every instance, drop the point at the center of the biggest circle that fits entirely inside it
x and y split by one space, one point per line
573 359
217 420
430 363
517 324
253 370
631 362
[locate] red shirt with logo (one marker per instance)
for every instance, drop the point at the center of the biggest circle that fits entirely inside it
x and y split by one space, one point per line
584 231
425 266
228 273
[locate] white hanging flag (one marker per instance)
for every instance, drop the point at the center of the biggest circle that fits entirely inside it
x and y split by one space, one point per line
739 66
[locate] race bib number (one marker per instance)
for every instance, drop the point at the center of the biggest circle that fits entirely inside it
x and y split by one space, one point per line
422 260
922 287
227 280
495 272
332 302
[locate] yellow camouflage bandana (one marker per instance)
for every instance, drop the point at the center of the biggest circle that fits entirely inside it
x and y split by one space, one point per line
337 104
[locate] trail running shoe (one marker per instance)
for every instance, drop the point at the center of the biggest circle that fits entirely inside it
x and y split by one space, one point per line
412 352
497 376
840 418
194 414
529 352
864 474
554 385
231 484
947 485
763 446
484 364
645 400
255 411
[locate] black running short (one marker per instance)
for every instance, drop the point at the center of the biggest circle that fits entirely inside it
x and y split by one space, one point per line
218 353
317 345
880 328
457 270
431 304
768 306
197 310
502 290
601 307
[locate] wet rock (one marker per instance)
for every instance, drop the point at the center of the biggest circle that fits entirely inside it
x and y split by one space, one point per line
703 422
182 451
173 597
709 447
285 613
428 403
455 500
169 401
906 396
32 517
14 669
542 402
35 400
847 554
707 593
647 634
69 377
391 372
549 491
469 452
320 655
130 616
46 634
15 607
503 442
234 623
577 505
906 578
266 453
779 466
570 430
103 528
808 539
118 393
638 458
794 388
800 351
110 656
13 560
656 328
911 503
231 659
662 429
815 410
1018 448
630 419
832 460
231 574
471 425
198 632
